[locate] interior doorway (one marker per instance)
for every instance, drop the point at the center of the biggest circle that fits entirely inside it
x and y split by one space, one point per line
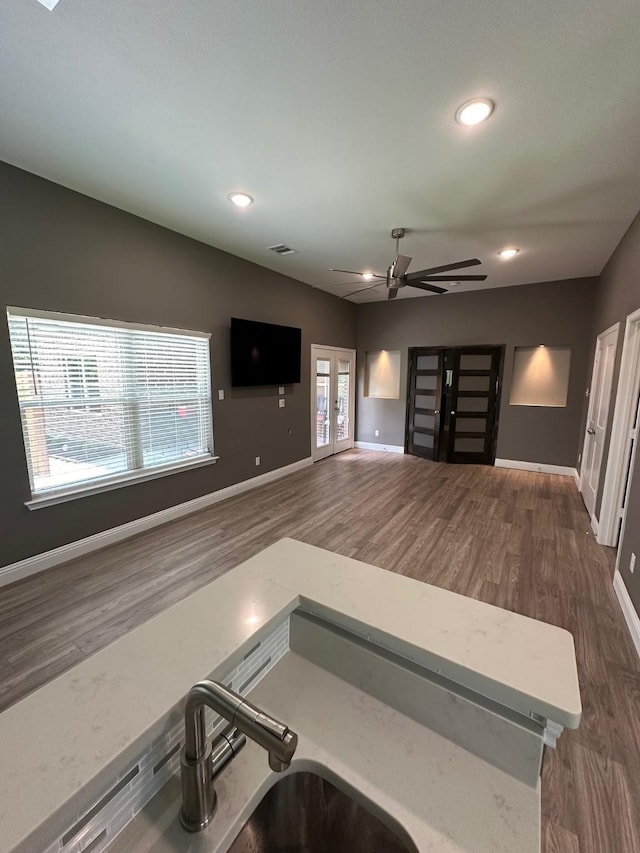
597 416
624 432
453 402
332 400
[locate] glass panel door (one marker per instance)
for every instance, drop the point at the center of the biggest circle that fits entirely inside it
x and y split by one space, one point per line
472 403
333 375
323 402
423 406
343 413
452 403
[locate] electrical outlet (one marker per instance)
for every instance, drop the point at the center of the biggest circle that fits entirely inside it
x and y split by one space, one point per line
257 460
632 563
376 432
281 404
221 394
281 390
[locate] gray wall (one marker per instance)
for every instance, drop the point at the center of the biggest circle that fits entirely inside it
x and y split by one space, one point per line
618 296
558 313
62 251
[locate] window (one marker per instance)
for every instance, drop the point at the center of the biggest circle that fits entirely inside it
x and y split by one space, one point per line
103 402
82 377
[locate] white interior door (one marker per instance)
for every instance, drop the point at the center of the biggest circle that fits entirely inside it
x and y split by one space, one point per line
332 400
599 398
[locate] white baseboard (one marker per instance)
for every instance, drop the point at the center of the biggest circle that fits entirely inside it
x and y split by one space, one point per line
537 467
385 448
49 559
576 477
595 525
628 610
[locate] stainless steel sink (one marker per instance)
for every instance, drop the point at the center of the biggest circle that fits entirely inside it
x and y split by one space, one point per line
304 813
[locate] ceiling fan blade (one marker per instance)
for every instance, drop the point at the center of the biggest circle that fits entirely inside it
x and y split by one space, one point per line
361 274
459 265
424 286
400 266
360 290
393 292
449 278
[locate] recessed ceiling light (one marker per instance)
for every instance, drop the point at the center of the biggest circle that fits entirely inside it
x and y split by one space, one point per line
474 111
49 4
453 284
240 199
508 253
368 276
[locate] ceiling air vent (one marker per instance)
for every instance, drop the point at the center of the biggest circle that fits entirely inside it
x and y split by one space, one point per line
281 249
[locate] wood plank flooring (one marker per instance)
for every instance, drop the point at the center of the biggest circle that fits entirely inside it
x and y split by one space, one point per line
511 538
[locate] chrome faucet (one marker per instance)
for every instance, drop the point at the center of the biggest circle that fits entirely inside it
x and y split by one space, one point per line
199 766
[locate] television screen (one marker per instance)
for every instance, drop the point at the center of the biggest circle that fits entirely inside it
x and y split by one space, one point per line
264 354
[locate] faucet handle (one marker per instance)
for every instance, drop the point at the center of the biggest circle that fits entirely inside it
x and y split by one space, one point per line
280 763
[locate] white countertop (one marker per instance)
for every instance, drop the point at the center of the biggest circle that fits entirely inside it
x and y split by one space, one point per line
77 731
446 799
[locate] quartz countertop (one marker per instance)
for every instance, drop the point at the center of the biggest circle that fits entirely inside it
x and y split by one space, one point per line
74 734
444 798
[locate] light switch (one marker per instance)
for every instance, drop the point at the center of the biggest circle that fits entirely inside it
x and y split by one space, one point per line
281 390
221 394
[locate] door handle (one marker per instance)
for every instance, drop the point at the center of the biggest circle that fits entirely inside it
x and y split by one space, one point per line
452 412
591 431
436 411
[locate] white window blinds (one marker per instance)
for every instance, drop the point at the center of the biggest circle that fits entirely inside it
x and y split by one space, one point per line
102 401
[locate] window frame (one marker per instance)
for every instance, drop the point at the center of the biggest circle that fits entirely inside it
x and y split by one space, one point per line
85 488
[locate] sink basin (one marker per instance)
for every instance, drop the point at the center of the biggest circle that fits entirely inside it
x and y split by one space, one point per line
303 813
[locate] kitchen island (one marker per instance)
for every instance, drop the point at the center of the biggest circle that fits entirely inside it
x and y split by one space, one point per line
431 708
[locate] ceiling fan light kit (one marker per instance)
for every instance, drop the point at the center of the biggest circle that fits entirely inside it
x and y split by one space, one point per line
428 279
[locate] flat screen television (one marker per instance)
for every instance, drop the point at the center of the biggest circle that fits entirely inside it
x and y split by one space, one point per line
264 354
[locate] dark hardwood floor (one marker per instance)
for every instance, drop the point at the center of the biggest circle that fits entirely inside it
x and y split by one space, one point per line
511 538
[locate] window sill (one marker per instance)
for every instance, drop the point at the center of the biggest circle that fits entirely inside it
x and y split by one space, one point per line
44 500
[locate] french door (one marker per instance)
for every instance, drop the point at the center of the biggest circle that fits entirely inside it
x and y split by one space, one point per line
453 402
423 411
472 390
332 400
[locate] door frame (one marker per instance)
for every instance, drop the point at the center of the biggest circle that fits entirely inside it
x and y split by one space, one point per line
614 329
620 444
349 442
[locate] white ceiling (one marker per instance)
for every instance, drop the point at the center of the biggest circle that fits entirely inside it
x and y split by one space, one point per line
337 116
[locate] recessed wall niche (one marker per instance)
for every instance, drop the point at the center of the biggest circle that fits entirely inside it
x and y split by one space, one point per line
382 375
540 376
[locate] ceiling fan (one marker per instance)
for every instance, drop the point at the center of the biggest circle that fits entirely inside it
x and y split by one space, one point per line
397 276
